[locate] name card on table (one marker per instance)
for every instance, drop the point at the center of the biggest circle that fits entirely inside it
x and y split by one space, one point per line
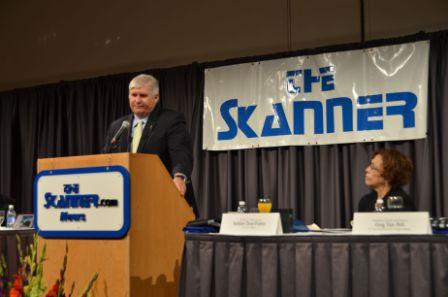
385 223
251 224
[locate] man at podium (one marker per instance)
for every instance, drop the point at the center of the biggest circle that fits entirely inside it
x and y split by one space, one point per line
152 129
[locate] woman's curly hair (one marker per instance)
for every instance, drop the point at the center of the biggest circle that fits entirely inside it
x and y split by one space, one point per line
397 168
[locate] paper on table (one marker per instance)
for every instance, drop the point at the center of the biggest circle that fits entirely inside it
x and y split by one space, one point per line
313 227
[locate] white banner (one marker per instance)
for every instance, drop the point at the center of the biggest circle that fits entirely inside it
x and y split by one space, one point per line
376 94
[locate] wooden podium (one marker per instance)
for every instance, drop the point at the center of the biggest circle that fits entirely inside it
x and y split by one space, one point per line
146 262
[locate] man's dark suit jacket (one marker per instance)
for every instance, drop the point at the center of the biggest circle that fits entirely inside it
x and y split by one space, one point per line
165 134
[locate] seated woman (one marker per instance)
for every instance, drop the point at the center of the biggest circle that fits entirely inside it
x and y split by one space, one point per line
387 172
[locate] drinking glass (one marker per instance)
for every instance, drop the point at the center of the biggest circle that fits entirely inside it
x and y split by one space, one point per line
442 223
264 205
2 217
394 203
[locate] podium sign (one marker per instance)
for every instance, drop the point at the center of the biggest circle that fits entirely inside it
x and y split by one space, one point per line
88 202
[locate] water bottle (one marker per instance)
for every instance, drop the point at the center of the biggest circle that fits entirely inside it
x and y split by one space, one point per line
242 206
379 205
10 216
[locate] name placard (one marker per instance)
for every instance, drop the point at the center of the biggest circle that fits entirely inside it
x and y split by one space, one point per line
251 224
385 223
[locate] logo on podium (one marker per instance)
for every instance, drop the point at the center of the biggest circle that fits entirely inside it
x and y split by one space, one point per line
82 202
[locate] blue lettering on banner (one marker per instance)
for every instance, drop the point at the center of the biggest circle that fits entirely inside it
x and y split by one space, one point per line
365 113
282 121
327 80
368 117
347 113
299 116
244 114
227 117
298 80
406 111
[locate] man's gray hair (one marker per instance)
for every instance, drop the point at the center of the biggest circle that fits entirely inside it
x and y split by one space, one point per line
145 80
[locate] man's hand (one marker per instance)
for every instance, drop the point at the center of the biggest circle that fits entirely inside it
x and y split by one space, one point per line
179 182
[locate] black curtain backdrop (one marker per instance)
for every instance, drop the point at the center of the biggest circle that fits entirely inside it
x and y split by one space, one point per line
323 184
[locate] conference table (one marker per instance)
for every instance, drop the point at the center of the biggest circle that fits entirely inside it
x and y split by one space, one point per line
314 264
8 246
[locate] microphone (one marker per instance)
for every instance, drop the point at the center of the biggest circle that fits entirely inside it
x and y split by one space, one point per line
124 126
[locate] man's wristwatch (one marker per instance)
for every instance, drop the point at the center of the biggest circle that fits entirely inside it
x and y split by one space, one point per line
183 176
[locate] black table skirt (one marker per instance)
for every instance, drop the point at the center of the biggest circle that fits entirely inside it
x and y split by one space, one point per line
214 265
8 247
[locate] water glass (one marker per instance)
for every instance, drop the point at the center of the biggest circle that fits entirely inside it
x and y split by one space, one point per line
395 203
2 217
